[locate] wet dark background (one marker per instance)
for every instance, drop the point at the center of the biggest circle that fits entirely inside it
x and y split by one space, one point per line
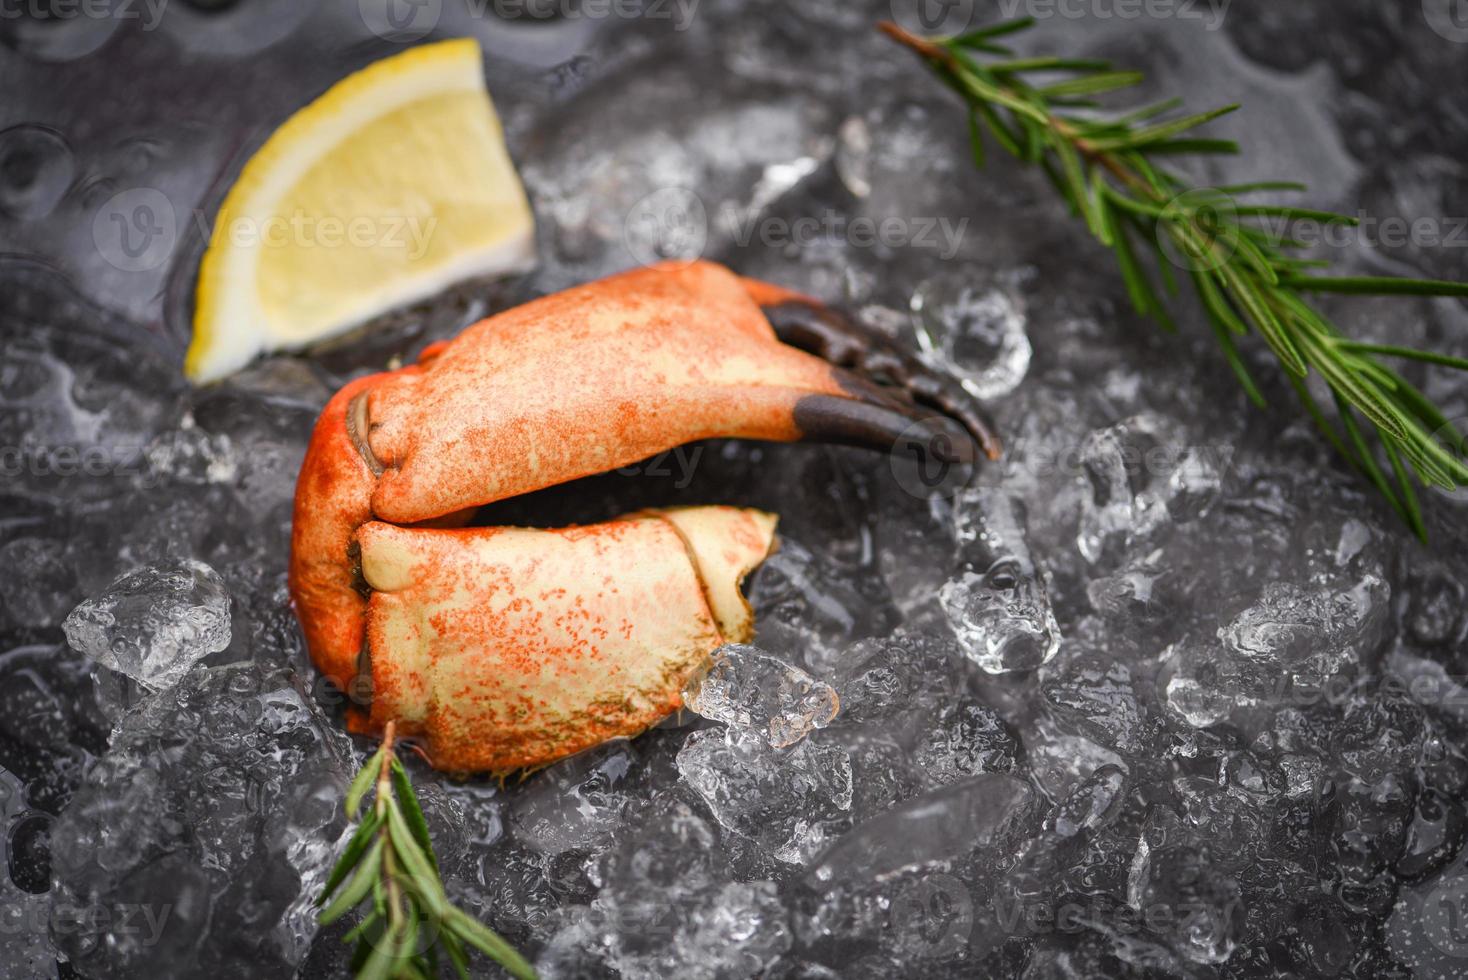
1279 833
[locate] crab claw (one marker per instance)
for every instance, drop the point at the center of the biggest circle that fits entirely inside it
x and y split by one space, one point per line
603 375
844 342
504 648
508 648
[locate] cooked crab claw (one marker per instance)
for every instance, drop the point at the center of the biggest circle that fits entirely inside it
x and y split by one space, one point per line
845 342
508 648
603 375
504 648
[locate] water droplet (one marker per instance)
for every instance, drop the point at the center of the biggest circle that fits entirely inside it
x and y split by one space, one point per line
36 168
65 33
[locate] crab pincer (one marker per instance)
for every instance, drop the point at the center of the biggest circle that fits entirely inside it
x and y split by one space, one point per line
508 648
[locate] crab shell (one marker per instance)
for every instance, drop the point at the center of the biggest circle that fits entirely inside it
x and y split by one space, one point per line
509 648
505 648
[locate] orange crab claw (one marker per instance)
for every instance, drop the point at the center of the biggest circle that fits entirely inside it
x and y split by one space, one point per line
508 648
505 648
601 376
333 499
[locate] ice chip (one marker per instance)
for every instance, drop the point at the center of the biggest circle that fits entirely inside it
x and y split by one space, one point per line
1206 912
575 803
39 582
1291 624
26 953
989 810
1092 804
998 605
219 802
154 622
667 907
1060 761
1095 696
1143 475
886 677
747 688
191 455
963 738
1204 683
1425 930
790 801
973 332
737 931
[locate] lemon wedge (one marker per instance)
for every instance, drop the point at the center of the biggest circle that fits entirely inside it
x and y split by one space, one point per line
389 187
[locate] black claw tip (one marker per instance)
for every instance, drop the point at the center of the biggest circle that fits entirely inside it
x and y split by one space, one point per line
901 430
846 343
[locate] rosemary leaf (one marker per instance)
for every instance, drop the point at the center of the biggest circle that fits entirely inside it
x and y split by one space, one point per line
1092 84
1410 505
1165 131
488 942
457 956
353 852
369 922
994 30
1263 185
1294 214
1109 168
1364 455
976 138
1411 353
358 790
1019 65
389 869
1377 286
358 888
412 812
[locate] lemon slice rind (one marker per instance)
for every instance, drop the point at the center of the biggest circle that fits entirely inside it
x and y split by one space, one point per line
231 325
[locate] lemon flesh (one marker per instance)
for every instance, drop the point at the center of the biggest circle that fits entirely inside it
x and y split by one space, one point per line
391 186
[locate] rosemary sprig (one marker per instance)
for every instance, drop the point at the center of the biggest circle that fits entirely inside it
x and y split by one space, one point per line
389 869
1107 168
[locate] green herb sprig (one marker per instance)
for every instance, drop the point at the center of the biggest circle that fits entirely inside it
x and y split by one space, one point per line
1108 168
389 869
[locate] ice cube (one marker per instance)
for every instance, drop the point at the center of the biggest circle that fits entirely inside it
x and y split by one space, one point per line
1060 761
1143 592
576 802
1435 615
922 922
1098 700
1094 803
813 602
973 330
193 455
218 804
963 738
26 953
748 688
879 678
1204 683
790 801
1292 624
1144 475
40 581
154 623
990 810
998 604
668 908
1425 930
1198 909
